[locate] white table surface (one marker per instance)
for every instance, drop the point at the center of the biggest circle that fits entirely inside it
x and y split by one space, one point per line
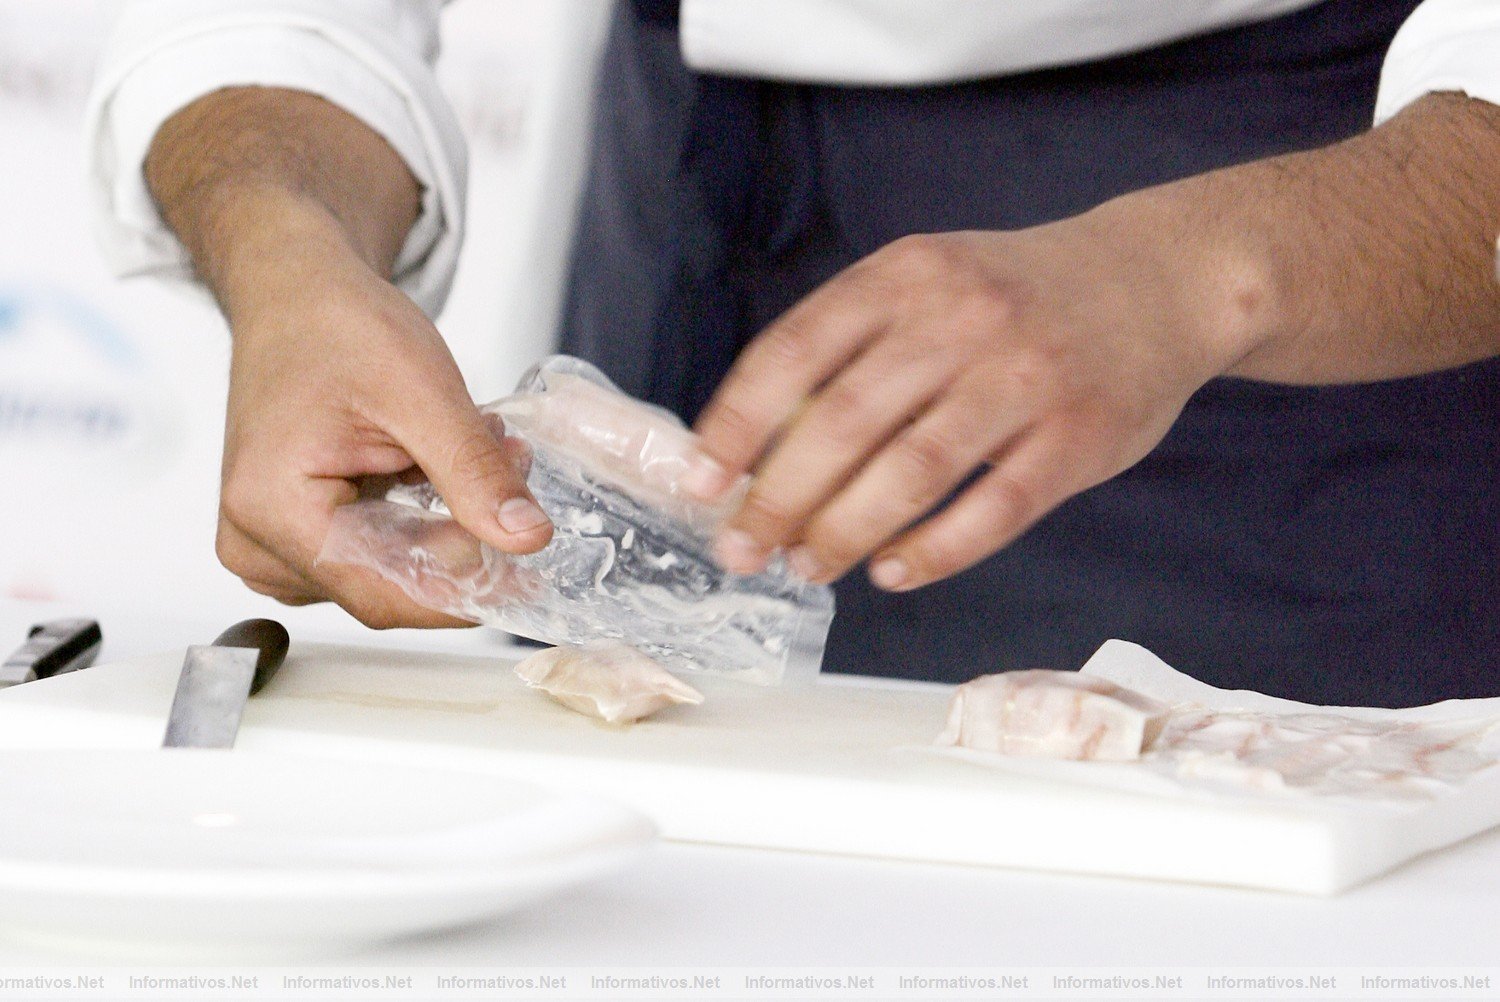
698 905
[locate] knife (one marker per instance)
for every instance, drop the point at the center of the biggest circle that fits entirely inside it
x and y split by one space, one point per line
52 648
217 679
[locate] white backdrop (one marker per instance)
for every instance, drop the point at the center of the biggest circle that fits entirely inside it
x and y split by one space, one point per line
111 393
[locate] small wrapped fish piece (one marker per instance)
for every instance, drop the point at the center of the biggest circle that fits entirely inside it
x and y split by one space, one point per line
1052 714
566 406
609 680
631 557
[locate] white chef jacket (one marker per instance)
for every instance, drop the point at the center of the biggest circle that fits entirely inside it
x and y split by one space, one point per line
374 58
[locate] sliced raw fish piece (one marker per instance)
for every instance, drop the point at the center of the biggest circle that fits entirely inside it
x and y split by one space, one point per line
609 680
642 448
1324 753
1052 714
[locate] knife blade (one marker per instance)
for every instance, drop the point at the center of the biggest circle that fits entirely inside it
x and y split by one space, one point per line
218 678
52 648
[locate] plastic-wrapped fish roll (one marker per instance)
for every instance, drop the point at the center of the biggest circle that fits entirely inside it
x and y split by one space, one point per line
630 559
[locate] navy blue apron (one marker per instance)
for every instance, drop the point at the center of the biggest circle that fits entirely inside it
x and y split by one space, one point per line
1331 544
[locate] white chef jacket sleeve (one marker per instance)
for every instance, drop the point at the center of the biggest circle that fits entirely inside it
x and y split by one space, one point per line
905 42
1444 45
371 57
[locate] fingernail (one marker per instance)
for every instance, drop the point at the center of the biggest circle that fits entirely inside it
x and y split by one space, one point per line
520 515
705 479
803 563
889 573
738 552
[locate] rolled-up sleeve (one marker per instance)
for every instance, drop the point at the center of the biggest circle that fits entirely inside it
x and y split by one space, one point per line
373 58
1446 45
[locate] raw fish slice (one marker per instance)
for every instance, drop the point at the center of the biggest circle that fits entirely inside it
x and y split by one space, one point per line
609 680
642 448
1322 753
1052 714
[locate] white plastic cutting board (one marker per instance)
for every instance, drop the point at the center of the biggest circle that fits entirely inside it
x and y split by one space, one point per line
826 768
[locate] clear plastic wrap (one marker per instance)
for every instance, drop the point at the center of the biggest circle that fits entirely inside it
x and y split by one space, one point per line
630 559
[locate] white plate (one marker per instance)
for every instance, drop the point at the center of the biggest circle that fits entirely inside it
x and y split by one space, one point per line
191 853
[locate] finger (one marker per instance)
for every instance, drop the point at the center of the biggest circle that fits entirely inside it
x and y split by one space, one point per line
775 374
406 544
390 565
262 571
847 421
284 519
257 566
1031 479
281 595
258 558
906 479
481 477
379 604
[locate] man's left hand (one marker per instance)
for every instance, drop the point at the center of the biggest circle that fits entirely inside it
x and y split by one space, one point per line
1056 357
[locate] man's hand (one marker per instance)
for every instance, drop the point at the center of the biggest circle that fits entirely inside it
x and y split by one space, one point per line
294 212
1056 356
337 376
1059 356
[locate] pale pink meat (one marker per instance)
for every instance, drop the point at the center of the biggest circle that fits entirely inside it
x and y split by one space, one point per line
1322 752
643 448
610 680
1052 714
1068 715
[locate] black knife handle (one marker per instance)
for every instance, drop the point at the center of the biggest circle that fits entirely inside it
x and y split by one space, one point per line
264 635
59 646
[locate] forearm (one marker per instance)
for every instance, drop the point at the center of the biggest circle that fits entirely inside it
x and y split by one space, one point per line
1371 259
240 172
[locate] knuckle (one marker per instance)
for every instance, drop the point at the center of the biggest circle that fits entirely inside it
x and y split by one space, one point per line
1029 376
280 592
373 616
786 345
939 555
845 412
475 452
261 587
764 511
475 462
921 253
735 417
1012 499
988 304
929 458
286 597
920 347
235 504
350 591
227 549
837 544
735 423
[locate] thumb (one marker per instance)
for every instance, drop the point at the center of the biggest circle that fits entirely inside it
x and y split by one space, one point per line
479 472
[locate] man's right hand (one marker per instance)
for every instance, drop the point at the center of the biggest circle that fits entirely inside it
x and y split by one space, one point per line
335 374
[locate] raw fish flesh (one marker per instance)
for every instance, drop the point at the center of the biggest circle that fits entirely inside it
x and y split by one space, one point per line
609 680
641 448
1052 714
1067 715
1324 753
